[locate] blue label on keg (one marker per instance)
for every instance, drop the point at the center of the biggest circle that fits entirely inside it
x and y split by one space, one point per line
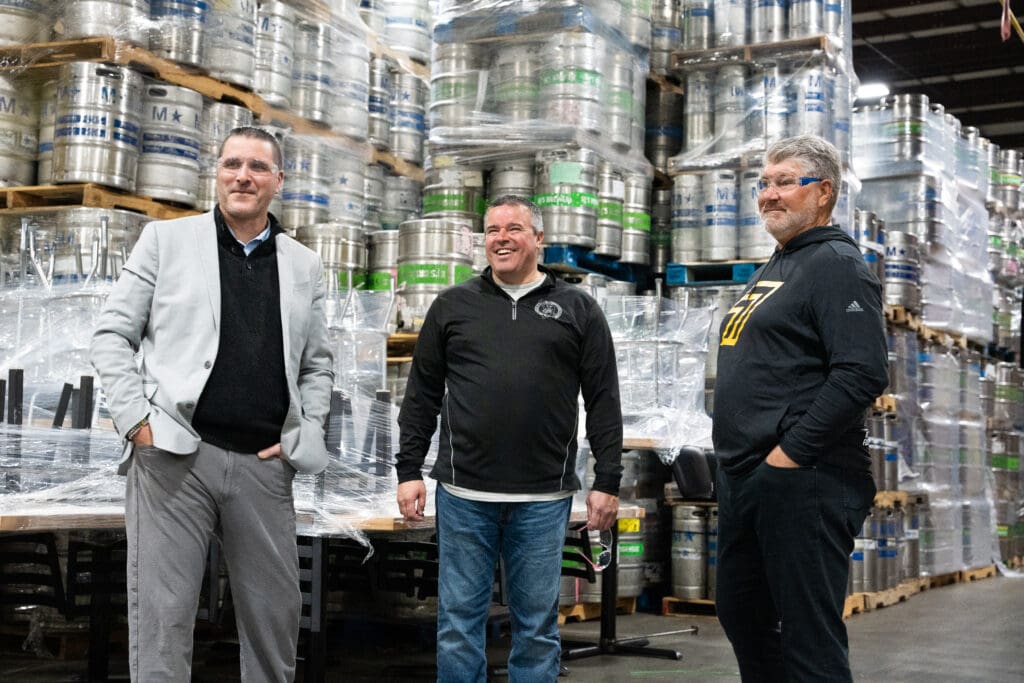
699 12
190 9
309 77
79 132
45 147
88 119
170 139
126 138
319 199
170 151
669 32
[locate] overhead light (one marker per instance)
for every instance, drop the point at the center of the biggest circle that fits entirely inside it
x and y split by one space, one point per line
872 91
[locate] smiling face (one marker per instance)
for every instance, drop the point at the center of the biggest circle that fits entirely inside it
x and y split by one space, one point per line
511 244
787 213
244 196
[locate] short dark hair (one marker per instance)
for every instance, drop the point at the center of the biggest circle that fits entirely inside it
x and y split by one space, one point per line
536 219
259 134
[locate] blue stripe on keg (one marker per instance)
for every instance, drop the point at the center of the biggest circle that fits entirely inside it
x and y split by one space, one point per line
45 147
857 556
127 126
125 137
720 221
720 208
320 199
170 151
670 32
310 77
29 5
79 132
173 139
834 7
179 8
95 119
699 12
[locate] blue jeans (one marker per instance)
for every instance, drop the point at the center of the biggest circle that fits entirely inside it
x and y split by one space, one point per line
471 536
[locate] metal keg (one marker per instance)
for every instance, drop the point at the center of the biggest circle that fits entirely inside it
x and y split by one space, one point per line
96 139
407 28
47 120
19 128
372 14
755 242
168 165
341 247
660 241
480 261
664 131
635 23
636 219
275 41
906 126
218 120
902 267
229 42
513 176
1007 178
177 30
768 21
402 201
373 195
432 254
730 98
687 217
126 19
348 189
689 548
23 21
768 109
910 558
571 80
833 18
314 74
666 34
382 260
379 102
870 235
350 113
698 113
309 173
455 192
721 208
806 18
811 93
892 427
629 563
618 100
729 23
455 79
408 120
567 195
515 87
992 151
611 192
698 24
73 243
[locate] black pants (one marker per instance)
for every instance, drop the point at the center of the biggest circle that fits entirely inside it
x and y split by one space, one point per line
784 543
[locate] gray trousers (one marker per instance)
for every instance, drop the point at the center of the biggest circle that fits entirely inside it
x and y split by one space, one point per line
175 504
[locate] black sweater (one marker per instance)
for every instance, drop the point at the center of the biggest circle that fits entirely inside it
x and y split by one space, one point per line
802 354
245 400
506 377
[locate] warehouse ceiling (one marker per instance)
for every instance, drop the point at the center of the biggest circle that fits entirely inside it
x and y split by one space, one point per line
950 51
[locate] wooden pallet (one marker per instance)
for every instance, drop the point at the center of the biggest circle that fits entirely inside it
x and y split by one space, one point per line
888 499
676 607
916 585
402 344
885 403
978 573
588 611
940 580
87 194
684 60
854 605
898 315
889 597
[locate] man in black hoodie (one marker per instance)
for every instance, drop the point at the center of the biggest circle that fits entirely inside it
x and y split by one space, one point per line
802 355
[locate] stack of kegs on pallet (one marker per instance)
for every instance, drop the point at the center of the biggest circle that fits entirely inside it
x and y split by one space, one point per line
883 447
694 550
1002 401
885 550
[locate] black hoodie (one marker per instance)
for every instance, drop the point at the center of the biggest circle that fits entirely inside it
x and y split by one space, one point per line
802 354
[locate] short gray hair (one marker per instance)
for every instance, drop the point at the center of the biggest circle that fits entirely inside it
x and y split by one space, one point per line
819 157
536 219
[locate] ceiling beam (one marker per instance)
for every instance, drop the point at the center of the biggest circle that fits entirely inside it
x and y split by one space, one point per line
923 22
977 92
1015 141
989 116
939 56
883 5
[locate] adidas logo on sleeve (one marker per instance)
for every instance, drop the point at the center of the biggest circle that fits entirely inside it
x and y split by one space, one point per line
854 307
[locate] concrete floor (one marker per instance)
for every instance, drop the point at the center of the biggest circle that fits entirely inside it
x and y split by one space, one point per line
966 632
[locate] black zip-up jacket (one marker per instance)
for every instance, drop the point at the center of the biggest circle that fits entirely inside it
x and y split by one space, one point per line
506 377
802 354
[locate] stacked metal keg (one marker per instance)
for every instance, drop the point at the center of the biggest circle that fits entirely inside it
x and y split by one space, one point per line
408 117
310 175
19 127
455 84
876 563
24 22
636 219
178 29
666 33
567 194
275 41
455 192
229 42
664 131
379 102
126 19
694 551
869 232
341 246
168 166
432 254
407 27
661 229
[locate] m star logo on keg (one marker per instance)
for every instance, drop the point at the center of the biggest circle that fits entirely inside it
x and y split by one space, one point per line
741 311
548 309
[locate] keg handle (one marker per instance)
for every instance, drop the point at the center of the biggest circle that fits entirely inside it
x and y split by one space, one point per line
28 252
100 251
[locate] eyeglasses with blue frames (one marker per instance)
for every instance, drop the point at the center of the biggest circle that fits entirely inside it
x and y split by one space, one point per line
601 554
785 183
257 167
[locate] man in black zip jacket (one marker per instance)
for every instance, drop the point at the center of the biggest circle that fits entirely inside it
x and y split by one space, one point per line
802 355
503 358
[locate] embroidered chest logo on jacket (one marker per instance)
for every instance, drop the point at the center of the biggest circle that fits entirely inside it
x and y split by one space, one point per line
741 311
548 309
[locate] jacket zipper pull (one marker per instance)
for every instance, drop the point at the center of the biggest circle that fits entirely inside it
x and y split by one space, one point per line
514 305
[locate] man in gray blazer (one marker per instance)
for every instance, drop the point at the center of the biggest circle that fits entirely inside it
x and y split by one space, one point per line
228 402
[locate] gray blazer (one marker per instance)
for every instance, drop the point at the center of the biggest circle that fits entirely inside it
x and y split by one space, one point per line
167 303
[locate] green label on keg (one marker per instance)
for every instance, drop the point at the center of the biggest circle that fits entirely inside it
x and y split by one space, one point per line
661 238
631 549
587 77
451 89
446 201
904 128
619 98
432 274
516 91
996 241
481 205
1006 462
636 221
610 212
1003 530
379 281
1006 178
351 279
571 199
565 173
